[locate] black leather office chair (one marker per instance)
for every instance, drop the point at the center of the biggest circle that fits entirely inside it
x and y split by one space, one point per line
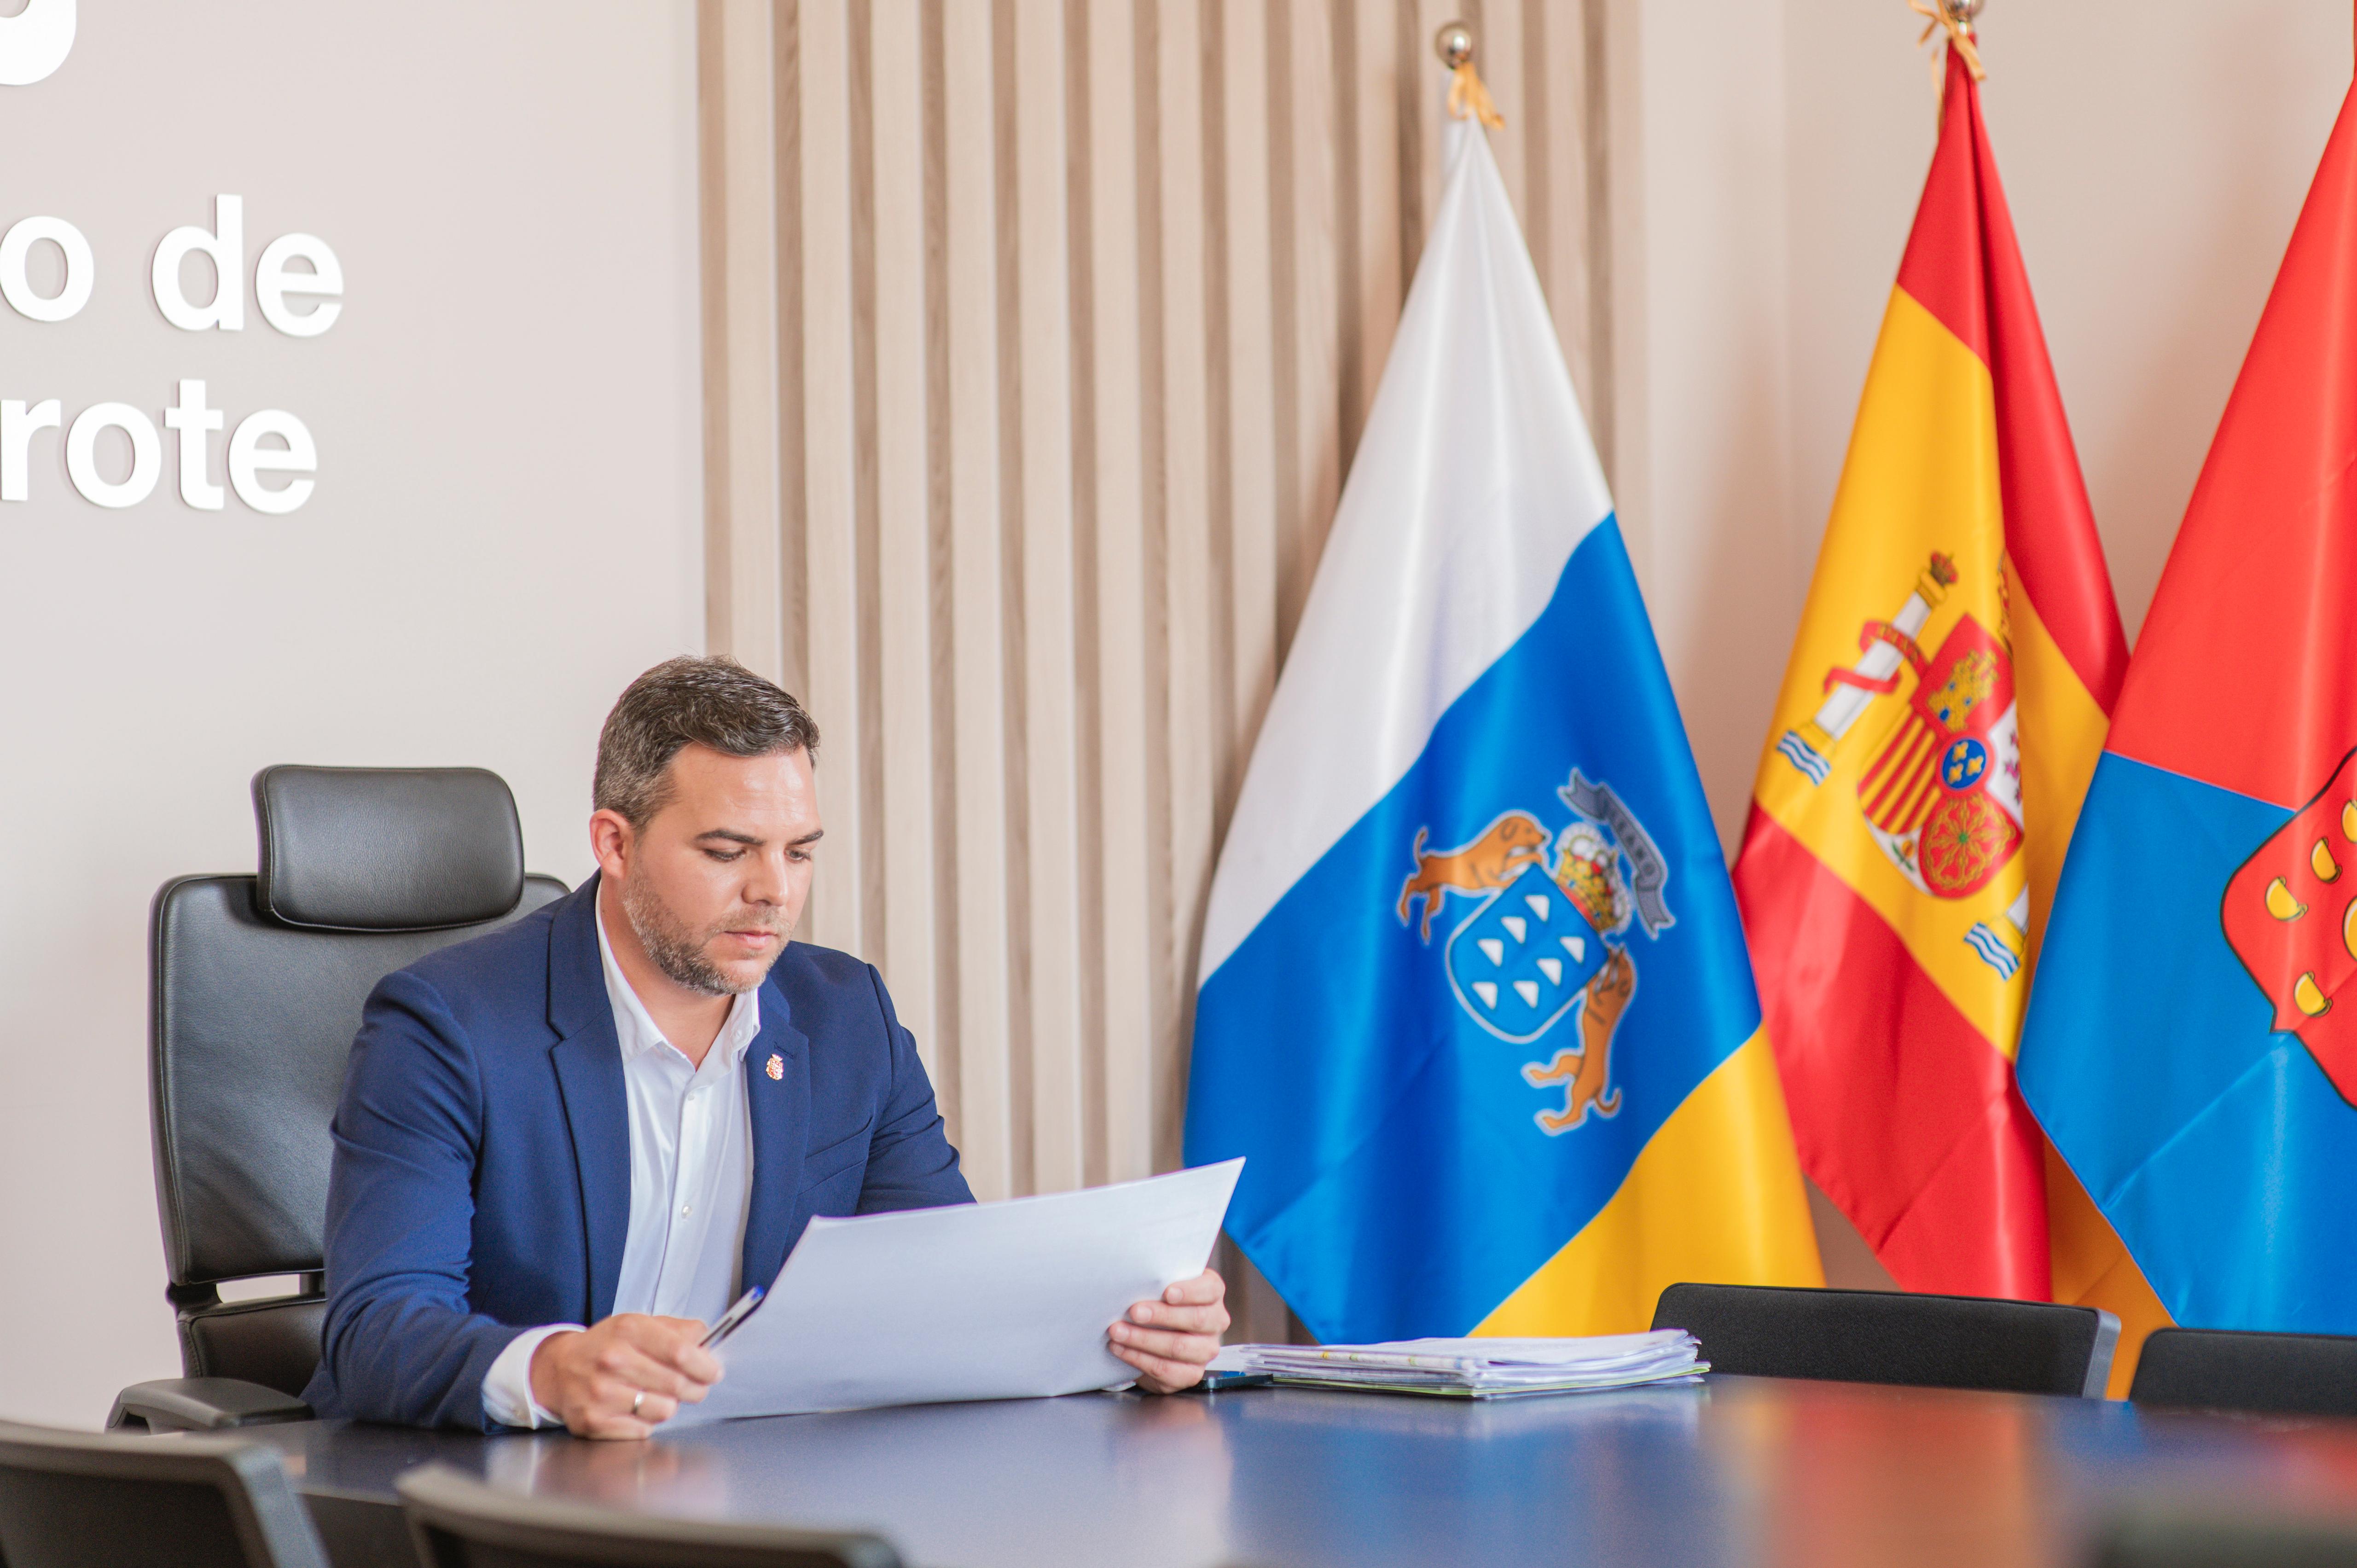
91 1499
1891 1337
2272 1374
459 1522
255 991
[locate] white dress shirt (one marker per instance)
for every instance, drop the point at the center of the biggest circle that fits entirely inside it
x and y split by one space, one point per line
691 1182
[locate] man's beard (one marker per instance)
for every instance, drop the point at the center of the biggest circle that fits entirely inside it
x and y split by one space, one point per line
678 951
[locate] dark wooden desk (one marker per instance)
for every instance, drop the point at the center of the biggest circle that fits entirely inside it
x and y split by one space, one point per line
1737 1470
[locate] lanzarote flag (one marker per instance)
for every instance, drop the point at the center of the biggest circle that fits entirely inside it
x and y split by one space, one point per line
2193 1046
1946 699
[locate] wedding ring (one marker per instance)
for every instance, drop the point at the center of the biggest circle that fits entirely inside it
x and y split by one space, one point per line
637 1400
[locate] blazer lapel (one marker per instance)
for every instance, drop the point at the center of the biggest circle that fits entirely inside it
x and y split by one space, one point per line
587 1057
776 1094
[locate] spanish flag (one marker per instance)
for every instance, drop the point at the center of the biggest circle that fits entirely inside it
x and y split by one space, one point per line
1946 700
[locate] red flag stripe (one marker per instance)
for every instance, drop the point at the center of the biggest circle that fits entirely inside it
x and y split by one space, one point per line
1964 266
1957 1196
2246 674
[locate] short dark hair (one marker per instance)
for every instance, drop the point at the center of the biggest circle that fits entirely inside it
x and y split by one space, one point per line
683 702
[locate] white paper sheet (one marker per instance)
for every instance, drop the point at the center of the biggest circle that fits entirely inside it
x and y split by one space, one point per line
979 1301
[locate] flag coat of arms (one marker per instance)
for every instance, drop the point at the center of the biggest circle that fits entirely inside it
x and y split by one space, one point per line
2193 1046
1474 1000
1945 702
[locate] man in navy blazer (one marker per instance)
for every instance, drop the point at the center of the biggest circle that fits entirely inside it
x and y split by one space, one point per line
565 1146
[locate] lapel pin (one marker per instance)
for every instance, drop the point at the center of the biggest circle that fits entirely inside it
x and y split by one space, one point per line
777 1067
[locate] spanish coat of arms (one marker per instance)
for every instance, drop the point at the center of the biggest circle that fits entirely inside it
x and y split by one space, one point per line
1941 790
1548 937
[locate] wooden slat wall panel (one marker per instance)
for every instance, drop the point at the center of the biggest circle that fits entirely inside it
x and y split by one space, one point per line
1246 654
1373 145
1119 387
1044 778
1040 337
1502 46
840 901
744 606
892 308
1188 234
1322 289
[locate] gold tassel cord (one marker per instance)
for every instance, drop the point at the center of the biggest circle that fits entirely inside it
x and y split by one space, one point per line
1957 17
1468 97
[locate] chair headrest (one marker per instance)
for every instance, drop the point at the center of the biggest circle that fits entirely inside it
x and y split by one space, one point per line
387 849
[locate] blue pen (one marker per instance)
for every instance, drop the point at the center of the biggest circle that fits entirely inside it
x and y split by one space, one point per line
735 1316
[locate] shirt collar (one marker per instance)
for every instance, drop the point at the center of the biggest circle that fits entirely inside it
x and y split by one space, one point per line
635 1028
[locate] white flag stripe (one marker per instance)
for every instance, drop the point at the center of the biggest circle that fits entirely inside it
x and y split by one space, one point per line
1463 504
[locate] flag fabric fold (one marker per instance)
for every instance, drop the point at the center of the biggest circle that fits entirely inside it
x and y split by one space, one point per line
1474 999
2193 1047
1947 698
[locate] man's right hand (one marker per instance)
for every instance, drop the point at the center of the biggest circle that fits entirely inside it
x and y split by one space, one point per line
624 1377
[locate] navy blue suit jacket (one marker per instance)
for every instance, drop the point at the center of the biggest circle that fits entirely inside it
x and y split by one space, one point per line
481 1182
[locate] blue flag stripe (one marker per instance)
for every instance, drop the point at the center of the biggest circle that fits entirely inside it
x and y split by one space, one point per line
1400 1182
2187 1152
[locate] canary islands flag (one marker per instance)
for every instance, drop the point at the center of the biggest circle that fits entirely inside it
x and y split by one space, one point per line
2192 1045
1474 999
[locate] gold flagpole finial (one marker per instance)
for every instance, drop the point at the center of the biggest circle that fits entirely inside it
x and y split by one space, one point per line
1467 96
1957 17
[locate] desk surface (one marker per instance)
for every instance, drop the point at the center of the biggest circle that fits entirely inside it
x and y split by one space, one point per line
1736 1470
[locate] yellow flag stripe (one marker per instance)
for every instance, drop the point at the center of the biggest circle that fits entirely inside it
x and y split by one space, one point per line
1921 478
2092 1268
2061 736
1714 1195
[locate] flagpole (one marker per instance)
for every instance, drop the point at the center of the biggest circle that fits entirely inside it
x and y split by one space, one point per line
1454 43
1957 17
1467 96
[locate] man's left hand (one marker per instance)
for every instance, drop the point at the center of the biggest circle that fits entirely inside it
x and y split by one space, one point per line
1169 1341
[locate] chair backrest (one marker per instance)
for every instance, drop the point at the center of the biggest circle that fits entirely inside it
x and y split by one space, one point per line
459 1522
255 991
2163 1536
87 1499
1890 1337
2272 1374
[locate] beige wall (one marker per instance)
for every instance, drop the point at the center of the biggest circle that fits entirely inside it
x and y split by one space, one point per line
2155 165
506 528
1039 617
1704 453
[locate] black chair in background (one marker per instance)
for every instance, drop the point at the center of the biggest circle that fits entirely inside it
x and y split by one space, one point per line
2270 1374
90 1500
1891 1337
459 1522
254 991
2170 1537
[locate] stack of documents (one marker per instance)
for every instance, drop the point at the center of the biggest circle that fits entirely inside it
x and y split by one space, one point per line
1480 1368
